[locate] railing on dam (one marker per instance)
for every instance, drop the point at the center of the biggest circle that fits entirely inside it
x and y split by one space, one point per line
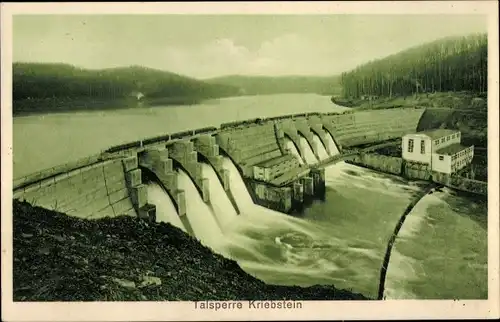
56 170
212 130
122 149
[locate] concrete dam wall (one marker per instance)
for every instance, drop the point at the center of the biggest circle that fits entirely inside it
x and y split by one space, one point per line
378 162
111 184
418 171
250 145
94 191
372 126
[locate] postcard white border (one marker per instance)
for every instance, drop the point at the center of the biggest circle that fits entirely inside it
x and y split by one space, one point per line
312 310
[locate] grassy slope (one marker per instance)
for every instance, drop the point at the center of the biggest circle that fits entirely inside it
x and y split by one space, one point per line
57 257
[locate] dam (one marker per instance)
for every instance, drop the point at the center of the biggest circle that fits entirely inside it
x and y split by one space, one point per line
281 160
244 187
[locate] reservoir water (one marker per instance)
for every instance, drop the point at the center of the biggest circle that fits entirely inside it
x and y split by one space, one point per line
72 136
441 251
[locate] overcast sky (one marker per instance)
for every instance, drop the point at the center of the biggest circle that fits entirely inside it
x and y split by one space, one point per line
206 46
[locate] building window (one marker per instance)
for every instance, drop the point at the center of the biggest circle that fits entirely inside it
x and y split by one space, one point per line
441 158
442 140
436 142
422 147
410 145
448 138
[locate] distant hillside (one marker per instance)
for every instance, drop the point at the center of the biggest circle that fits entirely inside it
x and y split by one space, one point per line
62 82
449 64
252 85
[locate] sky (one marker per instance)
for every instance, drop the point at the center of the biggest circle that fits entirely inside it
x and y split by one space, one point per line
205 46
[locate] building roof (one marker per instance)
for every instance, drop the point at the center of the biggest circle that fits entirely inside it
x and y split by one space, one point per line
275 161
290 176
451 149
437 133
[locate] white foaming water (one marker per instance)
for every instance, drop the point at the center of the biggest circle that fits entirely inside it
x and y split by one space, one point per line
348 175
200 215
293 149
165 208
238 188
221 205
255 216
281 249
418 215
402 269
308 153
331 143
321 149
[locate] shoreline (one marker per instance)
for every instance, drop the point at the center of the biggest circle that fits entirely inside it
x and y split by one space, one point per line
91 105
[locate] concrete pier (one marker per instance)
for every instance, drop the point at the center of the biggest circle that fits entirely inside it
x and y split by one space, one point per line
183 152
308 186
316 126
206 146
318 178
158 162
304 129
298 196
137 191
276 198
287 127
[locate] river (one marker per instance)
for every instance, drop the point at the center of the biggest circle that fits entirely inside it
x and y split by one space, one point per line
441 251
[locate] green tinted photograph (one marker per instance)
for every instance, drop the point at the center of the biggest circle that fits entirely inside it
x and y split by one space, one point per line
272 159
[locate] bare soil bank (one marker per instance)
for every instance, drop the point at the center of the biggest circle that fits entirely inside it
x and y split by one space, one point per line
61 258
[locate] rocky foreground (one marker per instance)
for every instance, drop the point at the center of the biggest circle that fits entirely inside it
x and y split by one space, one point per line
60 258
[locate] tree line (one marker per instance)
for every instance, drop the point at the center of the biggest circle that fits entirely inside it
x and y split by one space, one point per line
261 85
49 81
449 64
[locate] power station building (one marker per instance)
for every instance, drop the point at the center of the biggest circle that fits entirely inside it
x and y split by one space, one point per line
270 169
440 148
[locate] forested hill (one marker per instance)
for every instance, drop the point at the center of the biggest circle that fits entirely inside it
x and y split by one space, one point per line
449 64
254 85
39 81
